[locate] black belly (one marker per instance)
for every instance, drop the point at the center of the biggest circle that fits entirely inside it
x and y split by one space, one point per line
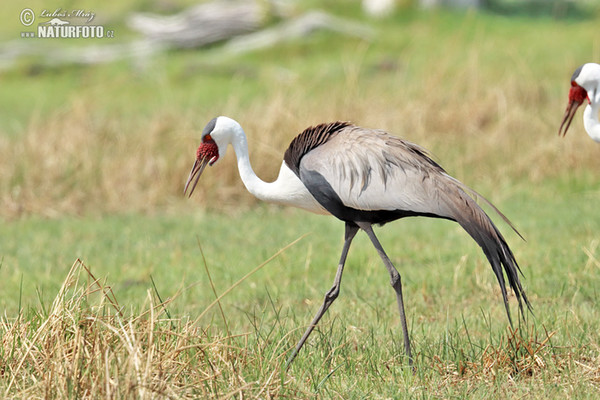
322 191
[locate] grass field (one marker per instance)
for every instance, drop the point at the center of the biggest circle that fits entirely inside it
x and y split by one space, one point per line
109 275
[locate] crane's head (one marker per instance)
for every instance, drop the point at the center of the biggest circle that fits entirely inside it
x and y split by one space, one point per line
216 135
584 85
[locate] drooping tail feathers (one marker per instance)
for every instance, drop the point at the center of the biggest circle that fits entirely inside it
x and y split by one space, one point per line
478 224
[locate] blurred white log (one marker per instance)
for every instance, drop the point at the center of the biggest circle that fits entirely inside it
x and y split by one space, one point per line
202 24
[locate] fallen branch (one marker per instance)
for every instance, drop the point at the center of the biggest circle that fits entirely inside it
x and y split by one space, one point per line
202 24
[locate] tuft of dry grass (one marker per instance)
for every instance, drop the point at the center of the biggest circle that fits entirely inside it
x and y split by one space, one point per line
87 346
515 356
519 362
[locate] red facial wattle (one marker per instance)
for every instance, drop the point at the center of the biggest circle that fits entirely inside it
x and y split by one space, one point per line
577 96
208 150
207 154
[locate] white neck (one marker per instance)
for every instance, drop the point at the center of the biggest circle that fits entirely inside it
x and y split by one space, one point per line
590 121
253 183
287 189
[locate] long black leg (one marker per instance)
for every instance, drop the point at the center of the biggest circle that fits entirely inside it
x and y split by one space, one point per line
396 284
332 294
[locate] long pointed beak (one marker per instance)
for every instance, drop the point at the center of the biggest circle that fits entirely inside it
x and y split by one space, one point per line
568 117
196 171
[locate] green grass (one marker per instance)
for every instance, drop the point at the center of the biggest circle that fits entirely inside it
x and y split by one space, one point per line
556 254
94 160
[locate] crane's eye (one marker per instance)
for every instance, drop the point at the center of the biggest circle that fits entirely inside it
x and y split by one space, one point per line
207 137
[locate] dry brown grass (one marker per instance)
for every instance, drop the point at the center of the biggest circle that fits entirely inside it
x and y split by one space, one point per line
77 162
72 163
87 346
523 357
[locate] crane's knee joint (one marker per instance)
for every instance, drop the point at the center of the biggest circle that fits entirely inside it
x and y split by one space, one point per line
395 280
332 294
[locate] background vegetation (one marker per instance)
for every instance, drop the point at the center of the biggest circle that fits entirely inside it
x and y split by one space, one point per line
108 273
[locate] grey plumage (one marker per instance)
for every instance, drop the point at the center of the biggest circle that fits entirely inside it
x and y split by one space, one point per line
576 73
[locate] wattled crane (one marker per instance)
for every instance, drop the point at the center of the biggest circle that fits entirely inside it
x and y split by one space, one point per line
363 177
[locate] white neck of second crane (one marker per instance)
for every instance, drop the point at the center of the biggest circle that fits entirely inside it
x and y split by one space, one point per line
590 121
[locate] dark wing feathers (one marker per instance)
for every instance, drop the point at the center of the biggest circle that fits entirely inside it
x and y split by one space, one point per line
309 139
